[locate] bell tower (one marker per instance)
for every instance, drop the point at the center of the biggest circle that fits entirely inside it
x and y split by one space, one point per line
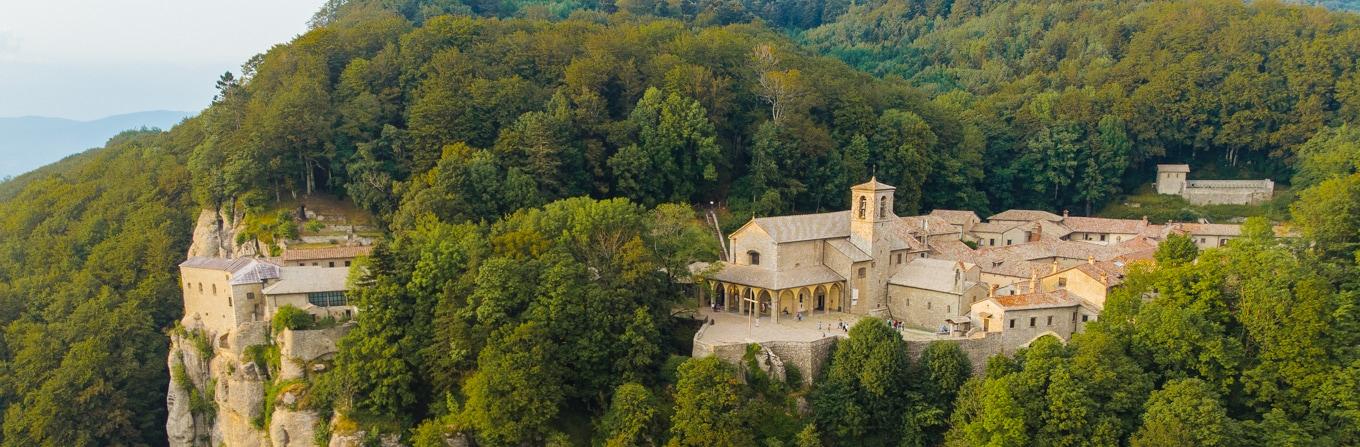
871 210
871 229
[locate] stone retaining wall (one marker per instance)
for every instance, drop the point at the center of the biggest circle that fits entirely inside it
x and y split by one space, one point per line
297 348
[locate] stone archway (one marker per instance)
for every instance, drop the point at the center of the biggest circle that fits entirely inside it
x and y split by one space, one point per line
835 298
786 303
764 303
819 299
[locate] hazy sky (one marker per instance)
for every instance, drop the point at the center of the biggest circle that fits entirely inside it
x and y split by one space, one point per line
86 59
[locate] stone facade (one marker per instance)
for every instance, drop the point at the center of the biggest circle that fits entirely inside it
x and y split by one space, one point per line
1172 179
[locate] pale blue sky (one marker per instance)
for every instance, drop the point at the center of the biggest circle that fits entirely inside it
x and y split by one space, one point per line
86 59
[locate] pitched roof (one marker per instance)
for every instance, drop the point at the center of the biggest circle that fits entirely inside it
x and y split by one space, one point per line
293 280
1040 300
805 227
1105 225
956 217
1173 168
307 254
873 184
750 275
241 270
929 274
1026 215
927 225
1207 229
849 249
995 227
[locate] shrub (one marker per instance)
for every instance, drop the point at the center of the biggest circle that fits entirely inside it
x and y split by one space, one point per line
289 317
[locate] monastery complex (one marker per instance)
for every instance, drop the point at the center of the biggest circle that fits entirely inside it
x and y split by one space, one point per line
221 294
1014 277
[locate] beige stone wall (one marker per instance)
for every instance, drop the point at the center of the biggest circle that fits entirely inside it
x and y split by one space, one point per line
752 238
795 255
1208 241
925 309
299 348
207 299
1077 282
977 349
1022 333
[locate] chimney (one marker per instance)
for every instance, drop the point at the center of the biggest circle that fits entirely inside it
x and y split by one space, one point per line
1091 260
1145 220
1064 214
991 291
1105 278
1033 281
1055 266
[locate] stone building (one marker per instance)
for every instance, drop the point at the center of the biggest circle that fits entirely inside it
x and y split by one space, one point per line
926 293
320 291
1173 179
1019 319
324 257
1026 274
220 294
840 261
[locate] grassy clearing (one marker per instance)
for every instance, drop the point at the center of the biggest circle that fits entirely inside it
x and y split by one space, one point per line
1164 208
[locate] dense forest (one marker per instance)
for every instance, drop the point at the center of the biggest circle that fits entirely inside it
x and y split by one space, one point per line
534 164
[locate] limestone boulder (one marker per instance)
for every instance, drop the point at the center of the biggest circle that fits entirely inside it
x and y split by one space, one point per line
290 428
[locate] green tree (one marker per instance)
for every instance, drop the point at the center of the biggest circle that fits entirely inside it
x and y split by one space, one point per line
709 404
516 391
1176 250
632 419
1184 412
865 391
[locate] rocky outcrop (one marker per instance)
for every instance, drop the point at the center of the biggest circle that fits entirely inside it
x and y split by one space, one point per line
215 236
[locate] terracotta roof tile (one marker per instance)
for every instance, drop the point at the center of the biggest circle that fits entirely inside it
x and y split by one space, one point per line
307 254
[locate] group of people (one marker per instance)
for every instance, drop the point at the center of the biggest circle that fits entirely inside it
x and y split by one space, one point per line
896 324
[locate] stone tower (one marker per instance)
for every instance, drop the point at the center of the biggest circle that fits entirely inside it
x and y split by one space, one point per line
871 229
1171 179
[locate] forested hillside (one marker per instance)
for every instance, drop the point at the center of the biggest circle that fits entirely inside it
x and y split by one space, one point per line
533 164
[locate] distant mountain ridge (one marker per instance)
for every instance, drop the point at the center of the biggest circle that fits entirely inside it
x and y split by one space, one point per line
29 142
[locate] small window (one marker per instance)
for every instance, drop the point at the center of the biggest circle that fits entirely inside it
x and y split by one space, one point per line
200 287
1050 320
1032 320
754 256
1012 323
228 301
250 295
1008 241
928 305
991 241
331 263
1062 281
862 273
948 309
863 205
908 302
1084 317
923 255
882 207
316 264
346 265
1102 238
214 289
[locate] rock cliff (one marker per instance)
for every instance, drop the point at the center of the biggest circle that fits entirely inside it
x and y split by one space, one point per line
219 382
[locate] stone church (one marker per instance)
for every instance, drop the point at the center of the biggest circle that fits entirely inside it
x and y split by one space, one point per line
845 261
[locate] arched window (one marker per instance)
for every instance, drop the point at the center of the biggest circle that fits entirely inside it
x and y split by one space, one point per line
863 204
754 256
882 207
